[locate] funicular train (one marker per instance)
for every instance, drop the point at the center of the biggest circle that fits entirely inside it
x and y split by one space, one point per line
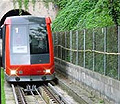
27 49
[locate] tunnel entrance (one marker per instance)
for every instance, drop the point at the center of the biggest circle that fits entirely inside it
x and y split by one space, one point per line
14 12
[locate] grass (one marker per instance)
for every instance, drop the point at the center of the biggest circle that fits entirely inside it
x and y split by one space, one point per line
2 87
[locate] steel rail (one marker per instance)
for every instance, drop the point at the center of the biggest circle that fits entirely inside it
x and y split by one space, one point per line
14 93
39 95
61 98
36 100
18 95
21 96
51 94
50 90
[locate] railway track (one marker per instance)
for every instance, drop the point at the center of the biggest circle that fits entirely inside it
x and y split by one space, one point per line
45 94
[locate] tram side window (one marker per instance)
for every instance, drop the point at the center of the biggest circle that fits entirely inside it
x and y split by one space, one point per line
19 41
38 39
19 46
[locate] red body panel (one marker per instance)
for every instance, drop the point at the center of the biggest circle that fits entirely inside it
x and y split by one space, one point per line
34 69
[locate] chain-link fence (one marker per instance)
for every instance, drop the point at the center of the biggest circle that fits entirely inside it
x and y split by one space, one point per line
95 49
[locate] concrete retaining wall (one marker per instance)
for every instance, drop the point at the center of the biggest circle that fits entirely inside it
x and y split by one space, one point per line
106 86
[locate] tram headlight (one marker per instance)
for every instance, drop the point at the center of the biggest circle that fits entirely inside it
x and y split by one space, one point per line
13 72
47 71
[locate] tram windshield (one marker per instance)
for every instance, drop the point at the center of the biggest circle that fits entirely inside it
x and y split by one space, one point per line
38 39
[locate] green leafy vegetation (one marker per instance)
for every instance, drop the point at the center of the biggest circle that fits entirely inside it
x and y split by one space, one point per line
2 86
20 6
79 14
26 3
33 2
89 14
101 102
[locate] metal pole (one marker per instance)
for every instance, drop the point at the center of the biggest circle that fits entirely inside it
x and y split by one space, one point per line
93 50
61 45
118 52
84 48
57 43
104 30
77 47
71 46
53 34
65 46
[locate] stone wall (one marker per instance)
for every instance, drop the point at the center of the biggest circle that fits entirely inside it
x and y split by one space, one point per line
103 85
39 10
